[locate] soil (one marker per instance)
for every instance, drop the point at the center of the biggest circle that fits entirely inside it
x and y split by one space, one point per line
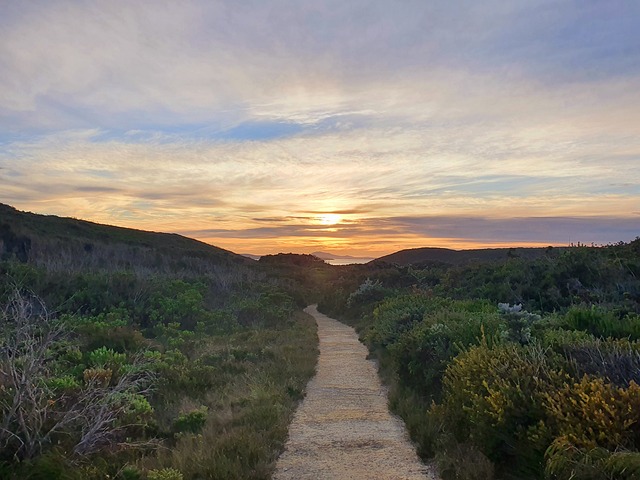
343 428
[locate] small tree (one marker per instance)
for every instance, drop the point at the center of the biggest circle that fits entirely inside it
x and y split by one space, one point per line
38 402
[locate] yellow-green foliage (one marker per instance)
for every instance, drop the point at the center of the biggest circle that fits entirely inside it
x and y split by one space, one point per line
494 397
594 413
564 461
165 474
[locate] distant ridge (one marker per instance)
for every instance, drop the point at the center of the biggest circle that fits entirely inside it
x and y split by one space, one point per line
417 256
332 256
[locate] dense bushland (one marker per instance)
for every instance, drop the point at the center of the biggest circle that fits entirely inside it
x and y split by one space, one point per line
133 355
126 376
136 355
522 369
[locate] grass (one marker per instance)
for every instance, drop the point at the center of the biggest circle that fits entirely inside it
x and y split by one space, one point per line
249 412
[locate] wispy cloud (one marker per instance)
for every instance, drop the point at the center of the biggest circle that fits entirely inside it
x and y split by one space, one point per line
246 123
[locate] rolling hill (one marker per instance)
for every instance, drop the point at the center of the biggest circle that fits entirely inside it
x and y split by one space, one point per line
69 243
421 256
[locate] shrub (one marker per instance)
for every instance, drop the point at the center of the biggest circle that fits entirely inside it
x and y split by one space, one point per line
594 413
129 472
519 322
62 383
367 291
104 357
397 315
164 474
192 421
494 398
618 361
564 461
603 323
422 353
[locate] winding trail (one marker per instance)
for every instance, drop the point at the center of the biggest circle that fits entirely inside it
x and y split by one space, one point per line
343 428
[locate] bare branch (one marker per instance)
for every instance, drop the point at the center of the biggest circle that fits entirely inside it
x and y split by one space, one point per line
32 412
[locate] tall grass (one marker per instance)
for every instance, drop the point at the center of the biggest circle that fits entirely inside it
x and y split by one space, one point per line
249 412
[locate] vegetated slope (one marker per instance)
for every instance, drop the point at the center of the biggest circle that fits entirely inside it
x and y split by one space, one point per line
145 355
80 245
417 256
498 391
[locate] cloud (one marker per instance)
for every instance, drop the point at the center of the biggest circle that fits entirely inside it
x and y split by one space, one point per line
256 118
374 236
223 64
358 174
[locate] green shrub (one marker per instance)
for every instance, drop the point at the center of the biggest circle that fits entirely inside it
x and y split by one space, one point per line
368 291
129 472
603 323
165 474
192 421
421 354
564 461
558 339
104 357
520 325
396 315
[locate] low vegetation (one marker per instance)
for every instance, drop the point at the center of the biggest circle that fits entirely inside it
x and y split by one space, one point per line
519 369
143 356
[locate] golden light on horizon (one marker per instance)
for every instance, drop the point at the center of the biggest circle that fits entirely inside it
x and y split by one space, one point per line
329 219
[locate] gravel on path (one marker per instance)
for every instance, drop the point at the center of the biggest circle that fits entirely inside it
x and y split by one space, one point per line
343 429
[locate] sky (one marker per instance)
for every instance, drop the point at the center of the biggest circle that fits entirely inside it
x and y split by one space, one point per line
355 127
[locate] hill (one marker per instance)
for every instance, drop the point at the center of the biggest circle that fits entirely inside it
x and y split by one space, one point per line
138 355
79 245
421 256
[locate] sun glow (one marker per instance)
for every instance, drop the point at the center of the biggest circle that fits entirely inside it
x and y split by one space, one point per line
329 219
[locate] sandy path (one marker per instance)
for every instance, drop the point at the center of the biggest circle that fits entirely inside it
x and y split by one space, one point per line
343 428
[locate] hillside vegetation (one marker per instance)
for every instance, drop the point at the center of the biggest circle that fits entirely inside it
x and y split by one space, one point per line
518 368
447 256
139 355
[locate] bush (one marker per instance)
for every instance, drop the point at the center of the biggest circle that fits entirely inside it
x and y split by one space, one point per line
494 398
617 361
601 323
368 291
594 413
164 474
397 315
564 461
422 353
104 357
192 421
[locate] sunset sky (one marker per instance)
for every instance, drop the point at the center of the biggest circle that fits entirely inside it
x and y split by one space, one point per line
356 127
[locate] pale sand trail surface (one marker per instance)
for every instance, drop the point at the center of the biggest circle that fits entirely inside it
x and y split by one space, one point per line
343 429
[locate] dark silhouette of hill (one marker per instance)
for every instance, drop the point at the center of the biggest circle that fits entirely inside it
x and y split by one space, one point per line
71 244
297 259
447 256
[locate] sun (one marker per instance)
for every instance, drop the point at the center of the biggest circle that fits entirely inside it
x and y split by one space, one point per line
329 219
